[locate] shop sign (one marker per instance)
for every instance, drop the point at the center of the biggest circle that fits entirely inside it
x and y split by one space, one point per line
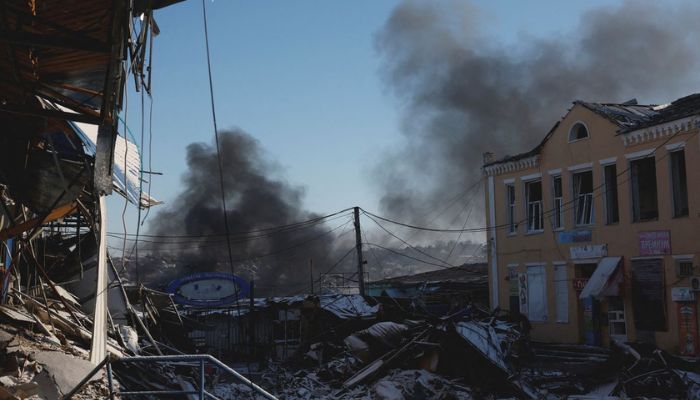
682 294
588 251
688 329
574 237
653 243
580 283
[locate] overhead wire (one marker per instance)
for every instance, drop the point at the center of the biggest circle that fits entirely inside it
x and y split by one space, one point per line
408 244
277 228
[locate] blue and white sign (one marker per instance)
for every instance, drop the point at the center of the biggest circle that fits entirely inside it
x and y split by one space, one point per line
574 236
208 289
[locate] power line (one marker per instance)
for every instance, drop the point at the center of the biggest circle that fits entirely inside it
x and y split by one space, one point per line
280 228
408 244
407 256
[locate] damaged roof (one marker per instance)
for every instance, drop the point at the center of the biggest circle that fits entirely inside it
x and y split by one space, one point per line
624 115
628 116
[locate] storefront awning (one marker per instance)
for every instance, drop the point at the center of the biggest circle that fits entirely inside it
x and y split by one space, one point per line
601 278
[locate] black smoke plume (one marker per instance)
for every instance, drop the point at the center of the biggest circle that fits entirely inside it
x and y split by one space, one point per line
189 232
463 94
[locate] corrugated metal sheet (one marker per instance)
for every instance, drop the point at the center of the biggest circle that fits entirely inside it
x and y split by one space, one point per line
127 164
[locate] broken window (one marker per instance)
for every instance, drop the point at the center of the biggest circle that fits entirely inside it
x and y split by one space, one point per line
643 181
612 213
583 197
578 132
510 202
561 292
679 184
533 198
558 203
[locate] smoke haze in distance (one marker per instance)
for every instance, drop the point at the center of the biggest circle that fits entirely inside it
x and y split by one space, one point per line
462 94
257 198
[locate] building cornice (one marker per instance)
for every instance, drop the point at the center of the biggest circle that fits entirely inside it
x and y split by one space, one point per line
659 131
510 166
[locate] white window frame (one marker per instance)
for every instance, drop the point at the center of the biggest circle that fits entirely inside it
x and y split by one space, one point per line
538 205
671 150
511 209
638 156
557 203
571 130
589 197
606 213
617 317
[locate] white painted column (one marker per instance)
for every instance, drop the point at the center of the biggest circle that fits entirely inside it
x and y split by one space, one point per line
98 349
492 242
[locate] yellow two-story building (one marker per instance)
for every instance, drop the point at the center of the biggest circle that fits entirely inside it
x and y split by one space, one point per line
595 233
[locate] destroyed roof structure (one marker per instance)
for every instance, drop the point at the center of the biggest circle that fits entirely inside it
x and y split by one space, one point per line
627 117
436 292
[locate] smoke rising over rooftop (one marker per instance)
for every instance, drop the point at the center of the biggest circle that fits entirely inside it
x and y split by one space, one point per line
462 94
258 199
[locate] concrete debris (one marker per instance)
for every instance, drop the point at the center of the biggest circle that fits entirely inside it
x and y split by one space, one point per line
469 355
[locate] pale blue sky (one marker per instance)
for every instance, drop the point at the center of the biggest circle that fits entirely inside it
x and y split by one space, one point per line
303 78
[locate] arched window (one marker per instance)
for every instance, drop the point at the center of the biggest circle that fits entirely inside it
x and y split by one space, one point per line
578 131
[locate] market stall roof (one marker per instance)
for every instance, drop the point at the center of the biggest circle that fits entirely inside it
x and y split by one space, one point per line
601 278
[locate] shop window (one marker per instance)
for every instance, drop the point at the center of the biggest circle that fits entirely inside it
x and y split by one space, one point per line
558 203
616 318
533 199
561 292
583 197
510 210
612 213
536 293
679 184
643 181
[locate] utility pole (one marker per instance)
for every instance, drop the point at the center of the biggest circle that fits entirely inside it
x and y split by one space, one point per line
311 274
358 246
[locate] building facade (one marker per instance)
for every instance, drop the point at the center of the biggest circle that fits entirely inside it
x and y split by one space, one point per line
594 234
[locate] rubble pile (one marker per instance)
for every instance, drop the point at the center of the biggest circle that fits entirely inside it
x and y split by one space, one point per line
44 346
470 355
44 350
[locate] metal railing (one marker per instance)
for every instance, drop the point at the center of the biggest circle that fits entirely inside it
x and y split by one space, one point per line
197 360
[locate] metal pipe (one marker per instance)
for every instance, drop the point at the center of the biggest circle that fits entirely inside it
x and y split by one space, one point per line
197 357
110 380
201 380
